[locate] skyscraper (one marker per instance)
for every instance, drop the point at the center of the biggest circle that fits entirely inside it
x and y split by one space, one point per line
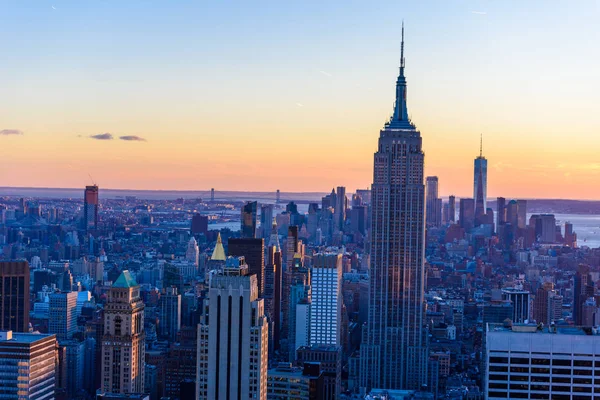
266 220
272 290
170 313
466 216
393 354
90 208
480 183
433 215
522 214
326 299
14 296
123 340
28 365
545 362
233 337
452 209
63 315
248 219
500 212
340 208
199 224
253 251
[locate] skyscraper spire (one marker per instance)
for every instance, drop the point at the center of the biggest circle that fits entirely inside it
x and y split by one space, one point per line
481 146
400 118
402 52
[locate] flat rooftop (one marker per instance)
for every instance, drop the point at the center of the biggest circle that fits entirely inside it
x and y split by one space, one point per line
545 330
19 337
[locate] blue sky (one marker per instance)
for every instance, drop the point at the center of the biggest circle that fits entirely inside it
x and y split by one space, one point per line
281 76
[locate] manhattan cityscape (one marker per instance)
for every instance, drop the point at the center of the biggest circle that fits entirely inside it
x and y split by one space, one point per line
196 201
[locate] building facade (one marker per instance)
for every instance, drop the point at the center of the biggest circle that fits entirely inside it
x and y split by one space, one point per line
394 347
14 296
63 315
28 364
123 351
233 337
326 299
90 208
529 362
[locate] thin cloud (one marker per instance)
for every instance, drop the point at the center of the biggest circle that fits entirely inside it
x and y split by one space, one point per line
132 138
8 132
102 136
299 105
479 12
326 73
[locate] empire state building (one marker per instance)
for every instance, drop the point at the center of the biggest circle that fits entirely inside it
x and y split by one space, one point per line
393 353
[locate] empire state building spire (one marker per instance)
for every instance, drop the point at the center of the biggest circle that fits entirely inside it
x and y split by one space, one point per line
400 118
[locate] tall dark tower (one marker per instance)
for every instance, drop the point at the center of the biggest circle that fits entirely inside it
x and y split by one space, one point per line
480 184
394 350
90 208
14 296
249 211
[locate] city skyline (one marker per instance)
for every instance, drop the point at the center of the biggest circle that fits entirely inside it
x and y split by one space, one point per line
165 101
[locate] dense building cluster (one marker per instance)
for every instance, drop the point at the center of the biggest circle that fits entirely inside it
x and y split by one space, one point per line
391 292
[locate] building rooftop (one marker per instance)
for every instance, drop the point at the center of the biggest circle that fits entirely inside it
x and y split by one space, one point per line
125 280
545 330
18 337
219 252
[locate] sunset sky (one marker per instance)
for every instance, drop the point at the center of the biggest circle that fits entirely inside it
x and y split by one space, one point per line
291 95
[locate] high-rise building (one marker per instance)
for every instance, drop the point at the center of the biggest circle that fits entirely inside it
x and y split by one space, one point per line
266 220
253 251
326 299
233 337
329 201
170 313
272 291
14 296
520 302
522 214
394 347
451 209
286 382
582 289
181 363
466 214
540 303
90 208
533 362
555 307
298 295
63 315
500 212
28 365
330 359
212 195
199 224
545 227
480 183
248 218
433 215
123 349
293 246
192 253
340 208
570 236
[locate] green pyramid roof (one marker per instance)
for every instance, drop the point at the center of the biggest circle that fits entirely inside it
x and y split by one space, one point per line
125 280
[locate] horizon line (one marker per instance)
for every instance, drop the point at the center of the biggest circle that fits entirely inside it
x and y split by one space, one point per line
270 192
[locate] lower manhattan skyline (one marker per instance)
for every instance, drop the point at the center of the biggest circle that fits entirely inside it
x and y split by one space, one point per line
178 105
